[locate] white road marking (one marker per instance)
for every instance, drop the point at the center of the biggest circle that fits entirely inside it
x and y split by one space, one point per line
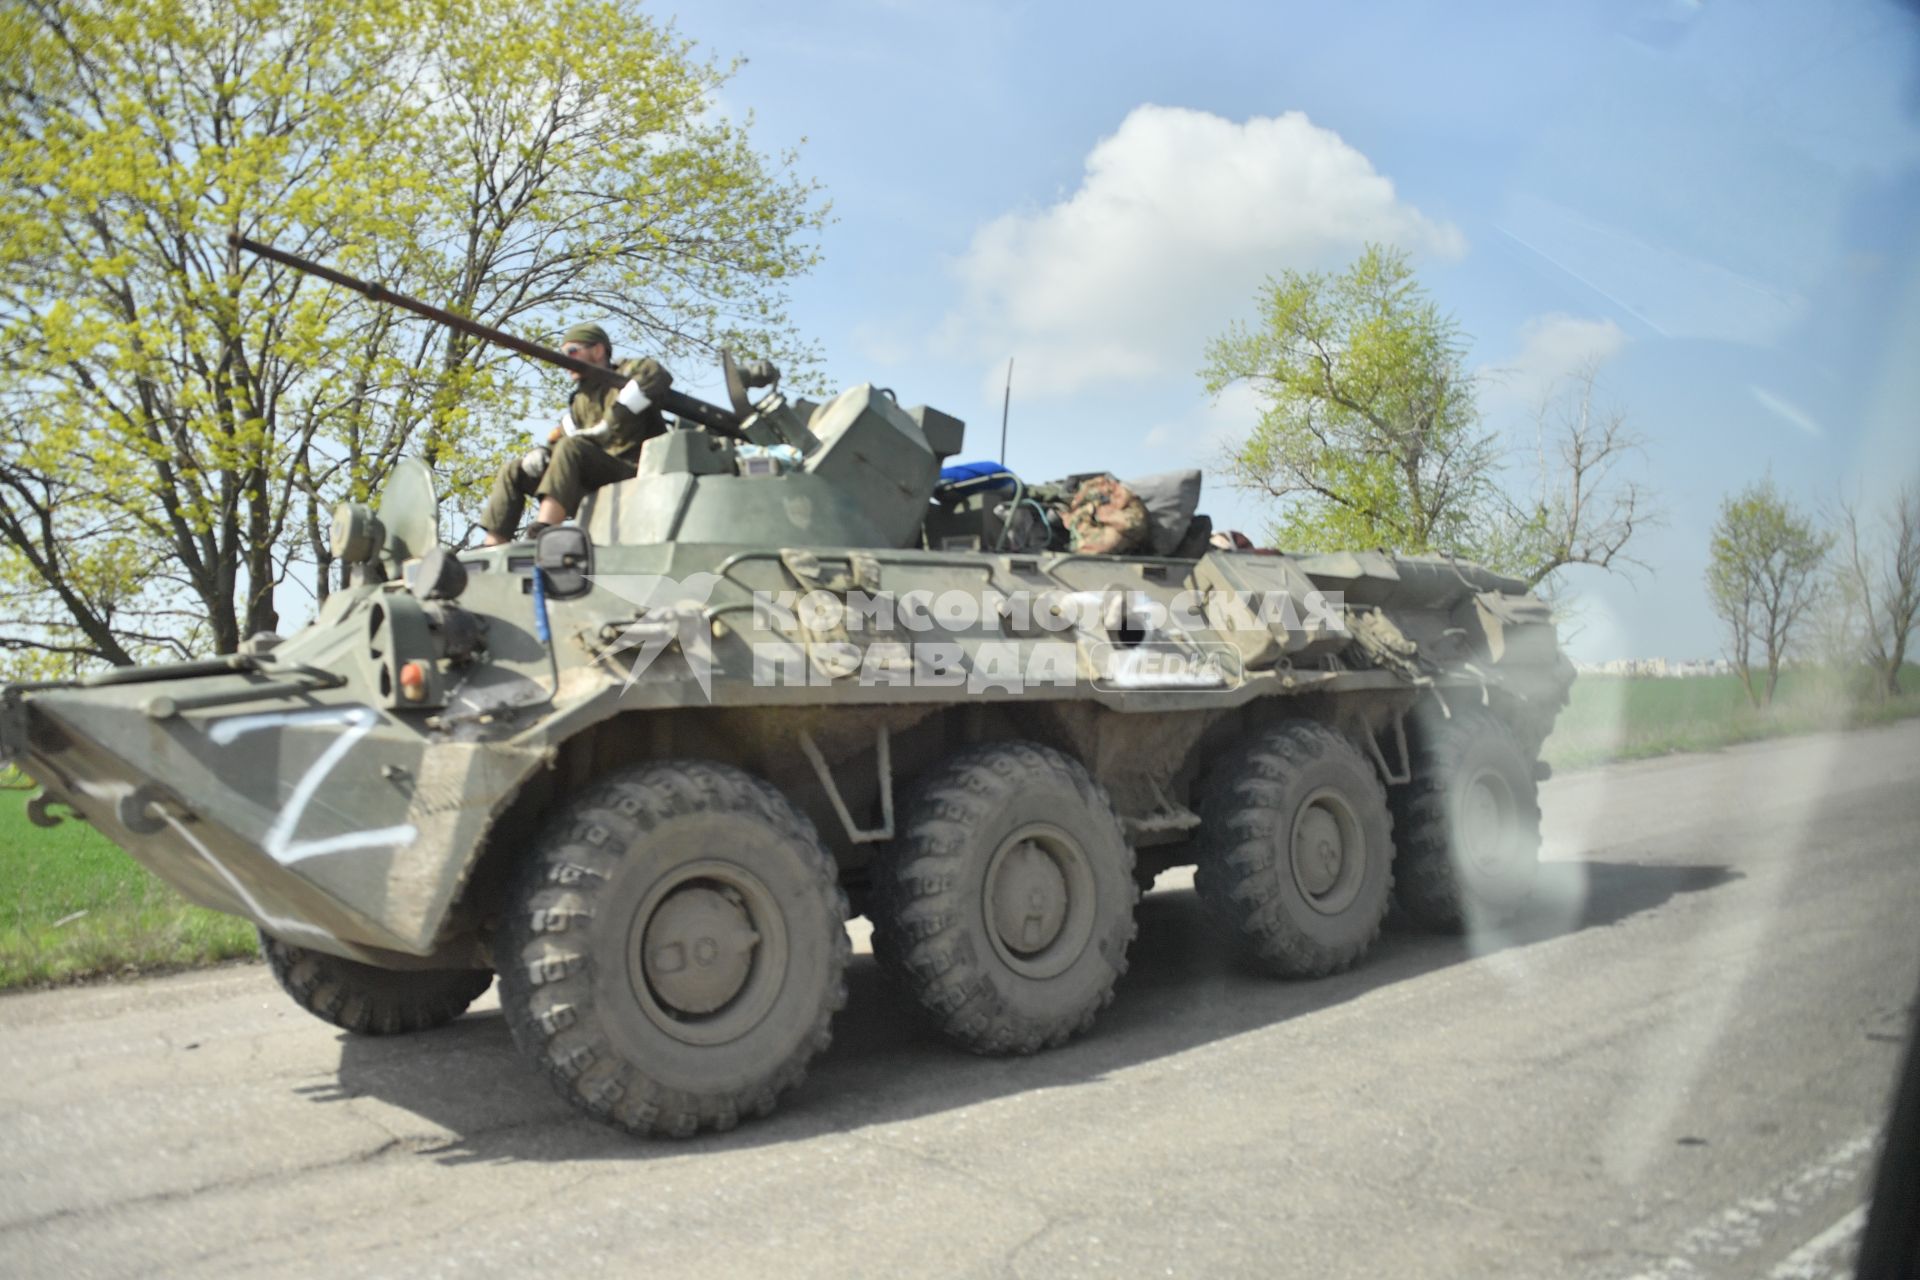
1815 1259
1738 1230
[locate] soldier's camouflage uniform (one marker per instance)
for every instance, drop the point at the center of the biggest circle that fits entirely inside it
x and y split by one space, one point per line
604 449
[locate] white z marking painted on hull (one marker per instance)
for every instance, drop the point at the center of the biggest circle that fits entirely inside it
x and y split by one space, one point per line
279 843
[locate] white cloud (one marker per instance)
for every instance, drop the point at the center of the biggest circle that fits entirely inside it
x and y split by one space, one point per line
1552 347
1178 218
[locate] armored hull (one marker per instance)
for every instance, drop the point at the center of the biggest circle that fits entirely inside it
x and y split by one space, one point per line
637 767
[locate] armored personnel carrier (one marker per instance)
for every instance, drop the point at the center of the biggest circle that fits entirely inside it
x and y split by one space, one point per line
642 767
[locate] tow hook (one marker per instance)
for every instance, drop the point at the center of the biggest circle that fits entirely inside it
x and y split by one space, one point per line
40 810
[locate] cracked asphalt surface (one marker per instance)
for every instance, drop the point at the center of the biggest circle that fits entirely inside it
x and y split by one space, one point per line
1677 1067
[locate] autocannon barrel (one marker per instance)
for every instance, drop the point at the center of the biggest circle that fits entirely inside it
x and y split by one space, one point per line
711 416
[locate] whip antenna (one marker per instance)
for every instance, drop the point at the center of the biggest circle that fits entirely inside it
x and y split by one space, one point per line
1006 402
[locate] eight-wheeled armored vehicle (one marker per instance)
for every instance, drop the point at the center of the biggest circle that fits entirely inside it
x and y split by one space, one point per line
642 767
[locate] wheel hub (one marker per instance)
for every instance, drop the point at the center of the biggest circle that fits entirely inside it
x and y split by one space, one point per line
1318 851
1485 813
1028 899
1038 901
1328 854
698 949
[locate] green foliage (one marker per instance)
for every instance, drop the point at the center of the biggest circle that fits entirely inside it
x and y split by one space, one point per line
177 419
1369 433
1764 568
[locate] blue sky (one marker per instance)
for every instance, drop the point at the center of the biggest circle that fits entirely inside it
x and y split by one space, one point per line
1720 201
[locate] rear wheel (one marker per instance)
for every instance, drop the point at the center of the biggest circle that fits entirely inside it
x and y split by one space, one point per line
368 1000
674 949
1469 825
1297 852
1006 907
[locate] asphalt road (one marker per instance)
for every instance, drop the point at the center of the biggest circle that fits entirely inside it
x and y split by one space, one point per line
1678 1069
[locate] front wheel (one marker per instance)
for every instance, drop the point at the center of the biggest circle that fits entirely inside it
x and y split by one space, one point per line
674 949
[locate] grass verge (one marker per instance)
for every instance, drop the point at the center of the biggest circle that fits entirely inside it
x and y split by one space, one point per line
73 906
1637 717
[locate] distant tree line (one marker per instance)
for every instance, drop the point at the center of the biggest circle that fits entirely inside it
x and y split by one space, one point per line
1843 587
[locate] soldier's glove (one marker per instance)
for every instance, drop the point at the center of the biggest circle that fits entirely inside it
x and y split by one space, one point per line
534 464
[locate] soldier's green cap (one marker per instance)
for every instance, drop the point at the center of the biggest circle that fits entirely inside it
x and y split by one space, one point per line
588 335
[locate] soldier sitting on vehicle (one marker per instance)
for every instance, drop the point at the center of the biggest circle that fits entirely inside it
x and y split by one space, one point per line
596 442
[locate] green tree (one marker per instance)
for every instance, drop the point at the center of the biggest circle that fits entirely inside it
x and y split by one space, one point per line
1370 433
177 419
1765 562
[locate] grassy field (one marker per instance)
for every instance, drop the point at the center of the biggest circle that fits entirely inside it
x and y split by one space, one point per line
72 905
1633 717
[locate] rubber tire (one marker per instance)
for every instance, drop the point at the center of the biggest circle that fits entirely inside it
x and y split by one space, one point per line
368 1000
1245 871
929 914
1440 890
565 982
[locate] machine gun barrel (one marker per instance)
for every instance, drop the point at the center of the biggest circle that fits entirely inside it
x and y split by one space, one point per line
679 403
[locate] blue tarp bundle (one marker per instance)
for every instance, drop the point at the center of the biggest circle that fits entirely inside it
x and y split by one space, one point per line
968 476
